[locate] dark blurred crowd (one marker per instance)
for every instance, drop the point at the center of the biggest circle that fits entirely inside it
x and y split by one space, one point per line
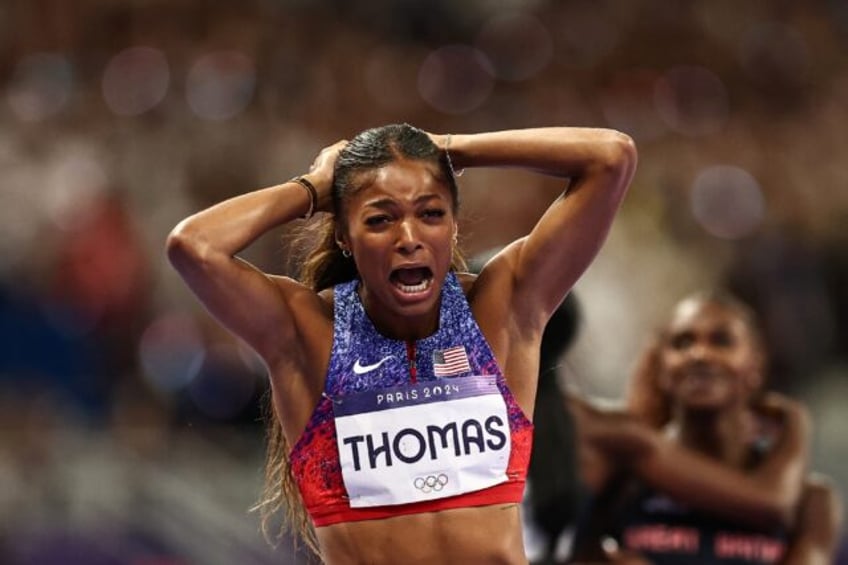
120 118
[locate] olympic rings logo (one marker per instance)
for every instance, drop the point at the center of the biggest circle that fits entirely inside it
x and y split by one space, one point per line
430 483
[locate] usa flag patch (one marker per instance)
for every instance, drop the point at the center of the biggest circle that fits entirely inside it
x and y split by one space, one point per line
449 362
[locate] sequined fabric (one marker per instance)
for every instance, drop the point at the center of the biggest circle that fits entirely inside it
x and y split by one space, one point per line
382 363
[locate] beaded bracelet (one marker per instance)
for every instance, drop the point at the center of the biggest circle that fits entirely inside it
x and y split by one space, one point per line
313 195
447 156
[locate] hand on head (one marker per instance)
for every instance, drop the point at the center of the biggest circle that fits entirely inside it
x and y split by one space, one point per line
321 174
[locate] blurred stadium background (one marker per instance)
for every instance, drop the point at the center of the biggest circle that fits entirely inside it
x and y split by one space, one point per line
130 427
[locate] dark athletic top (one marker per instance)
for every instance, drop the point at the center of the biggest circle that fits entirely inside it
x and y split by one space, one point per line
667 532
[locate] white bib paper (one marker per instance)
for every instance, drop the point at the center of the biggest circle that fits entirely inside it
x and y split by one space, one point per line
423 441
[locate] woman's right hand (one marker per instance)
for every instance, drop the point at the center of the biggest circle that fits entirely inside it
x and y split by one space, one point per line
779 414
321 174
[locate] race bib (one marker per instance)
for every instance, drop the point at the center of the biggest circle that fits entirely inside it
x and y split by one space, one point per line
423 441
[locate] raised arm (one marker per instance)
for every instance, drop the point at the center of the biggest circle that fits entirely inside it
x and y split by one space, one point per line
766 496
251 304
599 164
607 438
784 470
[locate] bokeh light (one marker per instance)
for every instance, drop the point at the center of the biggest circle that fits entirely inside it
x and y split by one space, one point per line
220 85
628 105
517 44
171 352
390 78
76 180
40 87
775 56
135 80
456 79
727 201
692 100
224 385
22 213
584 35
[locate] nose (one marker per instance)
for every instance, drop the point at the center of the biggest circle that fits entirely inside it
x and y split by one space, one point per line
700 351
408 239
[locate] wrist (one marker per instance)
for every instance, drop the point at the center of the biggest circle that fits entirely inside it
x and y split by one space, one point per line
323 189
311 193
455 170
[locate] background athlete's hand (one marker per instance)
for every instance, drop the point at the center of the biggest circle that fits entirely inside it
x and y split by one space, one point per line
779 415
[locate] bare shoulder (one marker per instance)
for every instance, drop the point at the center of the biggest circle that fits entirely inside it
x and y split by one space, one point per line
820 483
822 493
819 523
496 277
490 307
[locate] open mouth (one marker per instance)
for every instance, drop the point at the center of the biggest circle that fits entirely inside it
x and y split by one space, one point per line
704 371
704 375
413 280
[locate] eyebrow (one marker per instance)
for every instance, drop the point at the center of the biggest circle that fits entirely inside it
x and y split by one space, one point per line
386 202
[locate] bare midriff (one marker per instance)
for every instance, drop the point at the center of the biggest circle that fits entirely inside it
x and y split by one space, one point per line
479 535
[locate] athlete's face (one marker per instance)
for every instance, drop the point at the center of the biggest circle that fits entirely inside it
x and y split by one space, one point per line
401 230
710 357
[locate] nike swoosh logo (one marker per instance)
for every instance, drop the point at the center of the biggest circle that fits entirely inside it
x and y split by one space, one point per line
360 369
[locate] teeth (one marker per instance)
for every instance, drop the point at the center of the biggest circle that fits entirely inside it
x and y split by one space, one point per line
411 289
